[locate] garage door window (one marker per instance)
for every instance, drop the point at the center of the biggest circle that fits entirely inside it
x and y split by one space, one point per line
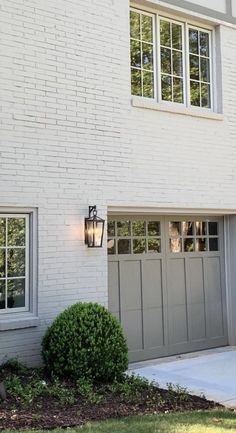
193 236
134 237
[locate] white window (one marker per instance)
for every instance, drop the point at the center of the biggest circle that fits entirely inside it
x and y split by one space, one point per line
14 263
171 61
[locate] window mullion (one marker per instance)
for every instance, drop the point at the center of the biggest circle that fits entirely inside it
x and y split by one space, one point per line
187 74
158 66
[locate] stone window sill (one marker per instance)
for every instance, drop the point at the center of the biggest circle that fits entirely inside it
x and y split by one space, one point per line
175 108
18 322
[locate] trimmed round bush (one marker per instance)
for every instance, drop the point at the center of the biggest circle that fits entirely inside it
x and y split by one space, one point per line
85 341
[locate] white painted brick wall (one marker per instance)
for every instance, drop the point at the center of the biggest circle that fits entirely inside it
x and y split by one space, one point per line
70 138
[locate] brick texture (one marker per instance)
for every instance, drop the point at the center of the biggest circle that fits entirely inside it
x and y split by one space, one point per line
70 138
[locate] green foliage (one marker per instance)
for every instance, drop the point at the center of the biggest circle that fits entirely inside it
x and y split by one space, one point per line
86 390
61 392
135 389
177 393
13 365
85 341
25 393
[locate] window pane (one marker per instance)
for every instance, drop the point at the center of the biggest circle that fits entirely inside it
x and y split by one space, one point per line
188 245
178 94
204 44
205 95
147 30
124 246
16 263
2 263
123 228
134 25
166 60
177 63
136 82
16 293
154 245
2 294
175 228
193 41
147 56
194 67
2 232
188 228
148 84
165 33
166 88
135 53
213 228
205 70
111 246
154 228
201 228
111 228
175 245
201 244
195 93
213 244
139 246
16 231
176 36
139 228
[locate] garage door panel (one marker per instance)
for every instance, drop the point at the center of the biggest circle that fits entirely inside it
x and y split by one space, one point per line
113 286
196 281
152 284
176 282
132 325
198 322
215 320
130 285
178 324
153 326
213 279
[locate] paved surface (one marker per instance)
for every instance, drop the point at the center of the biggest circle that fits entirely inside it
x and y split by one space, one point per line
211 373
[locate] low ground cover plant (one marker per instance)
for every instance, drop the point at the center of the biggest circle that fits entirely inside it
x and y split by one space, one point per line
38 400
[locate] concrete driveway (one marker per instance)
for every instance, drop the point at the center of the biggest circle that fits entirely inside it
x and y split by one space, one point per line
210 373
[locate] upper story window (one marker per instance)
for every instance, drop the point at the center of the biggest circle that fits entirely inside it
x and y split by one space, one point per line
175 65
14 263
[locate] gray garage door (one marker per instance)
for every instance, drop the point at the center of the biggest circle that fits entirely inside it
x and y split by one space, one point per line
167 283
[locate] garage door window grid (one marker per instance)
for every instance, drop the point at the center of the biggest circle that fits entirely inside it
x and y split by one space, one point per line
14 263
193 236
134 237
170 61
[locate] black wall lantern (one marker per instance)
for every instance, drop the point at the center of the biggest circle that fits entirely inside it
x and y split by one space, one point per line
94 229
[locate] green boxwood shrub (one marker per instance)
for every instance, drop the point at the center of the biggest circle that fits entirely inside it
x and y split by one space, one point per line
85 341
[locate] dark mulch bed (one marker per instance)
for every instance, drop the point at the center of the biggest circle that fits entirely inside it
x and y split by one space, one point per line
46 411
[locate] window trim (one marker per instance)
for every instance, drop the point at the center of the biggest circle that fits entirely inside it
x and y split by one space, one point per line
13 319
7 310
186 24
211 63
158 49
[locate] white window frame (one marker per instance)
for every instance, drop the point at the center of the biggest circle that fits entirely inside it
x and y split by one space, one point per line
26 308
186 24
210 33
158 49
151 15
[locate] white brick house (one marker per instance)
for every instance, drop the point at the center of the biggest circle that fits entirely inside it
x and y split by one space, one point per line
73 135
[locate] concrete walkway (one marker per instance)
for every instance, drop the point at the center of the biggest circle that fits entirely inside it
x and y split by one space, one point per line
210 373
